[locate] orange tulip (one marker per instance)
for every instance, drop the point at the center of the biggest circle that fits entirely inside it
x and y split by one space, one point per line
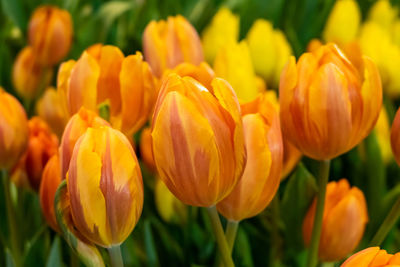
344 219
42 145
327 105
28 76
103 74
50 109
395 137
13 130
169 43
76 127
261 176
51 179
198 141
50 34
146 151
106 195
372 257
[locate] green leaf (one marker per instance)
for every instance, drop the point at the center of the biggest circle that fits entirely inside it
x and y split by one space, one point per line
55 257
37 248
150 245
242 249
9 259
299 192
14 10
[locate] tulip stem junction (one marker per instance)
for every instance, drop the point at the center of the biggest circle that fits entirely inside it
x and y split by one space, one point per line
116 256
11 219
387 224
220 237
322 178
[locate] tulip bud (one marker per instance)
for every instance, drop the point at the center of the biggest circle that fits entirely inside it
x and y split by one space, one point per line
51 179
171 209
344 219
372 257
383 13
166 44
50 34
343 22
50 109
262 172
382 130
28 76
13 130
146 151
42 145
233 63
395 137
269 51
223 30
198 142
106 195
327 105
76 127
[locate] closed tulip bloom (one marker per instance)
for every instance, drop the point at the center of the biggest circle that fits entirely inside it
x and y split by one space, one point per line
269 50
50 34
327 105
198 142
76 126
170 209
28 76
50 108
146 151
106 195
233 63
343 224
382 131
13 130
51 179
395 137
372 257
343 22
383 13
262 172
168 43
223 30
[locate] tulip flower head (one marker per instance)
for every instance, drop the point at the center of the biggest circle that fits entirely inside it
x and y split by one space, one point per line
327 105
50 34
146 151
168 43
372 257
262 172
395 137
13 130
198 142
344 220
383 13
171 209
106 195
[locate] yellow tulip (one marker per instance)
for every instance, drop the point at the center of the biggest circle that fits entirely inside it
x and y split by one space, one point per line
383 13
382 130
171 209
373 257
223 30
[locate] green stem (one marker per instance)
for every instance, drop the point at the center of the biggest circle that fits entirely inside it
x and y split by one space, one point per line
11 220
220 237
387 224
230 233
116 256
323 176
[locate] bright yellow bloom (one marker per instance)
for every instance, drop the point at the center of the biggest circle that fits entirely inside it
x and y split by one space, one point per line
233 63
383 13
327 105
106 195
262 172
269 51
171 209
343 22
223 30
382 130
198 141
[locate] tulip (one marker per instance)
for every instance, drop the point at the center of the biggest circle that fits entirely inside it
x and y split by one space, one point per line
51 179
382 130
233 63
198 143
103 75
106 195
28 77
344 219
171 209
372 257
146 151
50 34
395 137
261 177
50 108
75 128
343 22
223 30
383 13
327 105
166 44
42 145
13 130
269 50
